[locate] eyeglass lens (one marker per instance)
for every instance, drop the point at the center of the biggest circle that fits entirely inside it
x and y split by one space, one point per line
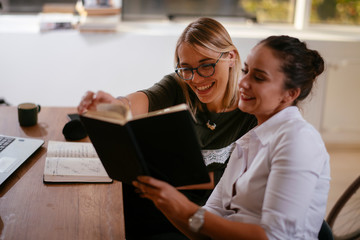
205 70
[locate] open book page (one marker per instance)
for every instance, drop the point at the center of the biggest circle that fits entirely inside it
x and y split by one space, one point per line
176 108
71 149
73 162
115 113
121 114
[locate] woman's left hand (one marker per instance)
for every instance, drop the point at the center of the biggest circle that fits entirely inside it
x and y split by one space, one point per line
166 198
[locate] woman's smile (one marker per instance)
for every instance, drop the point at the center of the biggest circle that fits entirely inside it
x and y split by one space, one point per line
202 89
245 97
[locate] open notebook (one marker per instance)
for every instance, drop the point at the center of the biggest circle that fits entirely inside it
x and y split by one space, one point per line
14 151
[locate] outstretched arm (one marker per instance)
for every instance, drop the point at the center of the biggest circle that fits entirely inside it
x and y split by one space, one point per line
138 101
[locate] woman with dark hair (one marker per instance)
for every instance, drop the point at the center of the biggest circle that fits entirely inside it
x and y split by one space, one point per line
277 180
207 68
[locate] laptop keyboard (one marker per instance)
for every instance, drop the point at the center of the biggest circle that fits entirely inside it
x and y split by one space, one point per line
5 141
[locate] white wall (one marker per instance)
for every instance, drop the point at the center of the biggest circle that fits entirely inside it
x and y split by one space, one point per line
341 116
57 68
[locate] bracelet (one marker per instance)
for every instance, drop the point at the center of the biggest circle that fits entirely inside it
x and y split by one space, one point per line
121 98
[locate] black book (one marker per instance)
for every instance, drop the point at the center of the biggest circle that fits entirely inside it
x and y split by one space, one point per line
161 144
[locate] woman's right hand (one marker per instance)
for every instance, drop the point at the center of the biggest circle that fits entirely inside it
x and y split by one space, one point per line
90 100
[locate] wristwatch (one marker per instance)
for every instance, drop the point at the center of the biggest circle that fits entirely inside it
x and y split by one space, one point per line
196 221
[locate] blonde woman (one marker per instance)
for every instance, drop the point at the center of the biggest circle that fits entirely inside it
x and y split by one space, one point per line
207 68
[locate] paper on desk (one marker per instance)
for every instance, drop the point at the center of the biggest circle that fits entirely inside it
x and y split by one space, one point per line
73 162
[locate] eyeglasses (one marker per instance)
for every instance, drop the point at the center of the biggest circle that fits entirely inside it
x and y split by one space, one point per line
205 70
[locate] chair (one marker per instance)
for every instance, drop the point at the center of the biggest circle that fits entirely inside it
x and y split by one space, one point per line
344 217
325 232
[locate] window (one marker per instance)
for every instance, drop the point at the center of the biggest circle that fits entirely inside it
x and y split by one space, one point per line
335 12
270 11
345 12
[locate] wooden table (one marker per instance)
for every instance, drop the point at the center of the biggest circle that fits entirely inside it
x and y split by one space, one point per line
31 209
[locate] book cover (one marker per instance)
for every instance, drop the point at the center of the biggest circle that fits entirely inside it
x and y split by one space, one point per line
57 21
99 23
162 144
58 8
98 10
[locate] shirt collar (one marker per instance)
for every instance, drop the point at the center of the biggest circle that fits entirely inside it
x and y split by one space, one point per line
266 130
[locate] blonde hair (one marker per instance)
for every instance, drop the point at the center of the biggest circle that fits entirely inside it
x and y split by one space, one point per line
210 34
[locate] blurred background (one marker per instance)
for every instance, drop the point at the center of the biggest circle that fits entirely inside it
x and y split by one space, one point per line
344 12
53 51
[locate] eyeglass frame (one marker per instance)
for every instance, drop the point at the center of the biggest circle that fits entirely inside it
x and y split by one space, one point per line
196 69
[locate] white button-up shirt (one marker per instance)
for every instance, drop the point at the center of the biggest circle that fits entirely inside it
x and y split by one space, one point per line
278 177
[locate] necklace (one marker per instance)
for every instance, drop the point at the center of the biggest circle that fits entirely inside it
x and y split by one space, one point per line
211 124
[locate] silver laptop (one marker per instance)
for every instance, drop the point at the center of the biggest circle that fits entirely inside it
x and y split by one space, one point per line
14 151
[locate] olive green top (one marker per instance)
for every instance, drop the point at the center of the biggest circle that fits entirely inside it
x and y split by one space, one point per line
216 144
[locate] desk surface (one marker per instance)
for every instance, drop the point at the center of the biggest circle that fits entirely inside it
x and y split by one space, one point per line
30 209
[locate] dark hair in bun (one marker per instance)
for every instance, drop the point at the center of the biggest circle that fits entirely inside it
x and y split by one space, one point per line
301 65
